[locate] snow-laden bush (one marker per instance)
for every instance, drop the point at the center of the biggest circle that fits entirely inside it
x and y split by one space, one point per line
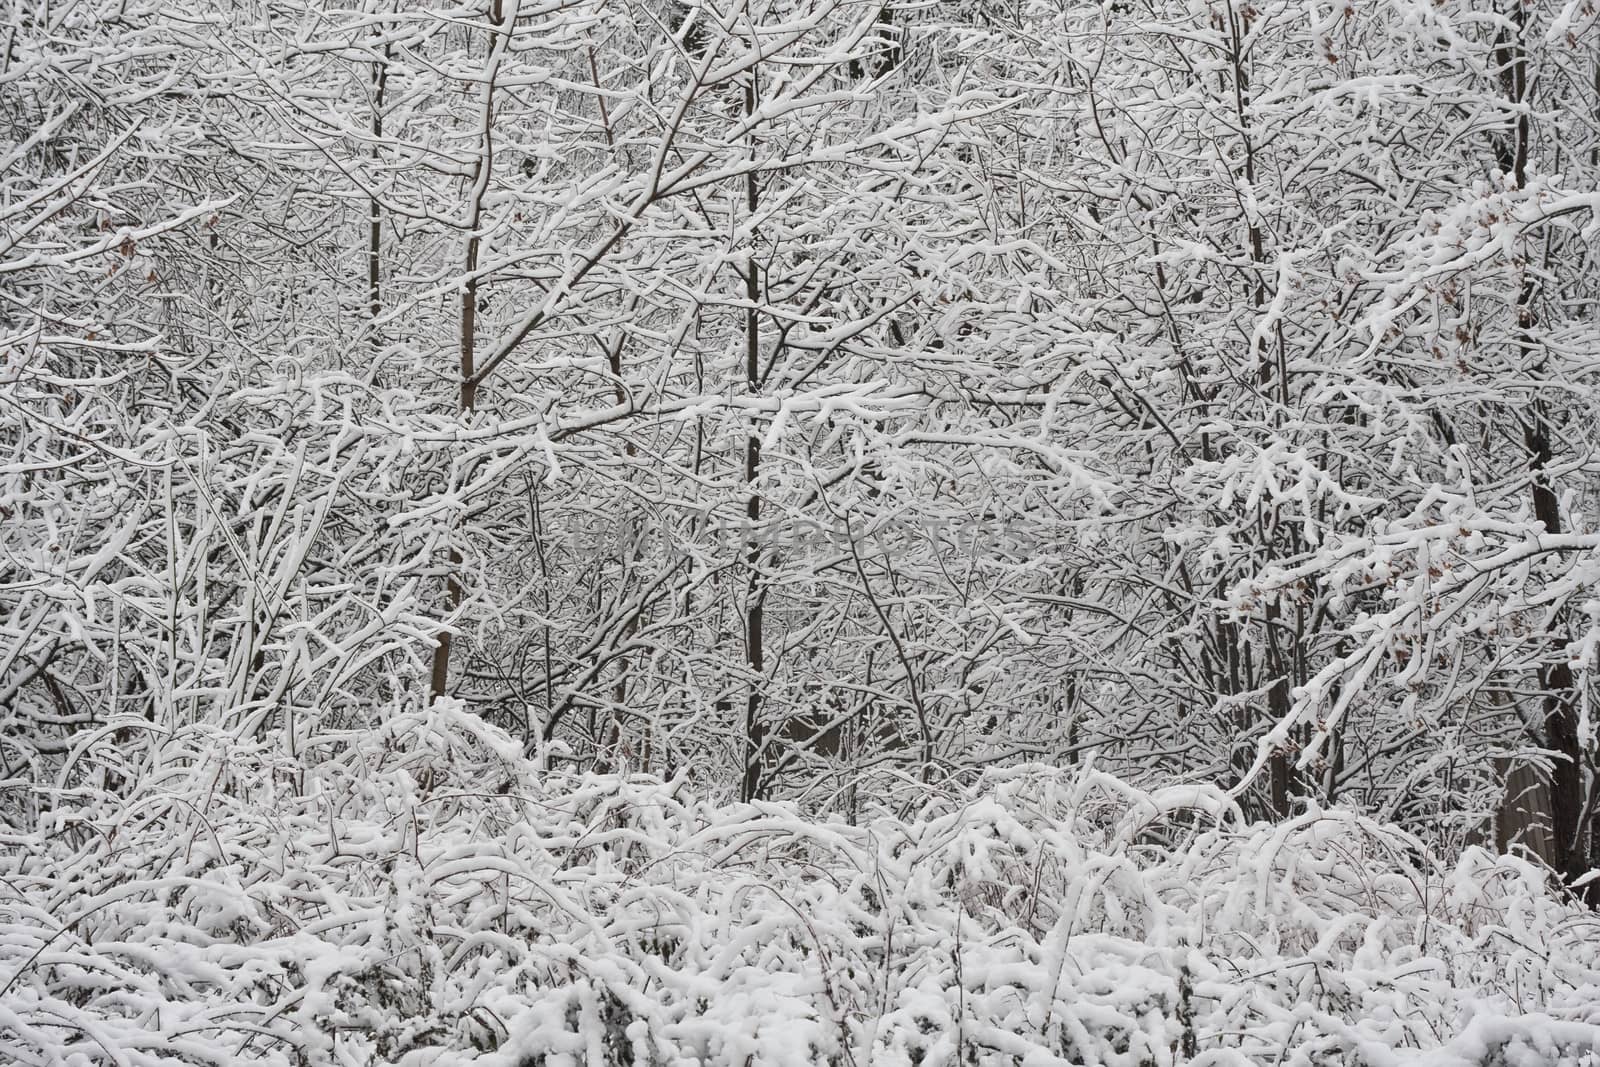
417 893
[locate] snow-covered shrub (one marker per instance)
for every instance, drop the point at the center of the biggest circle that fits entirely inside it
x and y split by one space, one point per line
416 893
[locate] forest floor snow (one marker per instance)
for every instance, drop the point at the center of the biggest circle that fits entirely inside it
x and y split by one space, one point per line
419 894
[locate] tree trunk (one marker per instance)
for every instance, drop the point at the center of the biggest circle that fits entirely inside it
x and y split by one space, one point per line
1562 796
755 590
482 170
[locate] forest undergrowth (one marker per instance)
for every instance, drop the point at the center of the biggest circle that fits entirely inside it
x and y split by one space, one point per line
417 892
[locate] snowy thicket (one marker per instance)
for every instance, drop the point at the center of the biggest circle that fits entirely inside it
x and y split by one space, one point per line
1109 488
413 890
820 396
